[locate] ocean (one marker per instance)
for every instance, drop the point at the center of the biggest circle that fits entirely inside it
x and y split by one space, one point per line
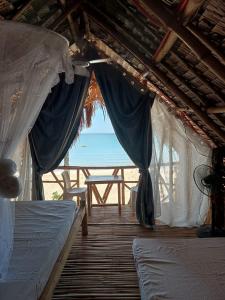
98 149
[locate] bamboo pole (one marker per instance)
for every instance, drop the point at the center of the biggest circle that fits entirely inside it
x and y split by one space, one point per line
97 18
200 50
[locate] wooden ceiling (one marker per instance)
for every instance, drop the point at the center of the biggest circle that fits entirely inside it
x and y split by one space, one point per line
175 48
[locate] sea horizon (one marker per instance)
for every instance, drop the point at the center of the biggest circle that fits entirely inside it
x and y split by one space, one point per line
98 149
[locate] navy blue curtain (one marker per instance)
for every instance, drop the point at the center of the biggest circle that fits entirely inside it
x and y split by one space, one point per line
56 127
130 112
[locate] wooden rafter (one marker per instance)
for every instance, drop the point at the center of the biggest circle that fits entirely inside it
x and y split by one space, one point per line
198 76
157 72
185 11
73 27
69 10
145 50
199 49
190 9
202 100
21 10
216 110
207 43
137 44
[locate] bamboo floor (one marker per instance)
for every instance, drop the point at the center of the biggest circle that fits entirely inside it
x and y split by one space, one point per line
101 266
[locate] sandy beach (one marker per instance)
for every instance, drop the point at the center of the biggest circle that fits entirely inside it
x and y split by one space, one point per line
52 189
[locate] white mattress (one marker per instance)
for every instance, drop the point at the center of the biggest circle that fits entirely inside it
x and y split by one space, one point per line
41 229
184 269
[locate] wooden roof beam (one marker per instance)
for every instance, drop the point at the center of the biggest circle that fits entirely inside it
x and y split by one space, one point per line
73 28
70 9
216 110
137 44
200 99
185 11
157 72
21 10
193 70
199 76
207 43
198 48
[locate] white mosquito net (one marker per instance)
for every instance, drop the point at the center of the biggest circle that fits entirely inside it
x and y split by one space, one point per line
176 152
30 60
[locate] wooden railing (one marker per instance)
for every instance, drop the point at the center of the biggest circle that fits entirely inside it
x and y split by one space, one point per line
78 175
86 171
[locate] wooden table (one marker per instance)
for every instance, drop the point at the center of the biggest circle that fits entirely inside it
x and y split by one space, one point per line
92 180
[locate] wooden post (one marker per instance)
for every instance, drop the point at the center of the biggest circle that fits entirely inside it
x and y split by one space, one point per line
84 223
89 198
78 177
119 198
123 187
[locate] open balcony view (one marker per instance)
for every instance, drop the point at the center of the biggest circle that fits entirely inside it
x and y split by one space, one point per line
112 149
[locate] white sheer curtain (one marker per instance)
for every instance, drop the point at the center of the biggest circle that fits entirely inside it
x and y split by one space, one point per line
175 156
22 157
30 60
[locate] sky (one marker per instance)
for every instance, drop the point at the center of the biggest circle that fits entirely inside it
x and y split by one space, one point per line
100 123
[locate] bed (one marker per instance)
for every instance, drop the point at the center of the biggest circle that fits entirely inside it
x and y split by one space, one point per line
44 234
192 269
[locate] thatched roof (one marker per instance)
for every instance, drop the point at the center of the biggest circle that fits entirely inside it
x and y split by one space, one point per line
173 47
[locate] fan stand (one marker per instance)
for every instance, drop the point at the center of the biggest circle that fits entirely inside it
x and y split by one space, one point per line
207 231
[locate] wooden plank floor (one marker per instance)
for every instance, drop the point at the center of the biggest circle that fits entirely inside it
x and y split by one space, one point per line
101 266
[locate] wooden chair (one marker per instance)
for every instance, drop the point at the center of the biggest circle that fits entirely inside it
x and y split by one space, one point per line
70 192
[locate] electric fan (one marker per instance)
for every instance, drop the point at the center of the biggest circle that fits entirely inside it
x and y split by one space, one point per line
210 184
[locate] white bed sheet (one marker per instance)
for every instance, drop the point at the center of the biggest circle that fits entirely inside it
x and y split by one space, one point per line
41 229
184 269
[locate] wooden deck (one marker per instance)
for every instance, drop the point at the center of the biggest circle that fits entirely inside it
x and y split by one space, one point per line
101 266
